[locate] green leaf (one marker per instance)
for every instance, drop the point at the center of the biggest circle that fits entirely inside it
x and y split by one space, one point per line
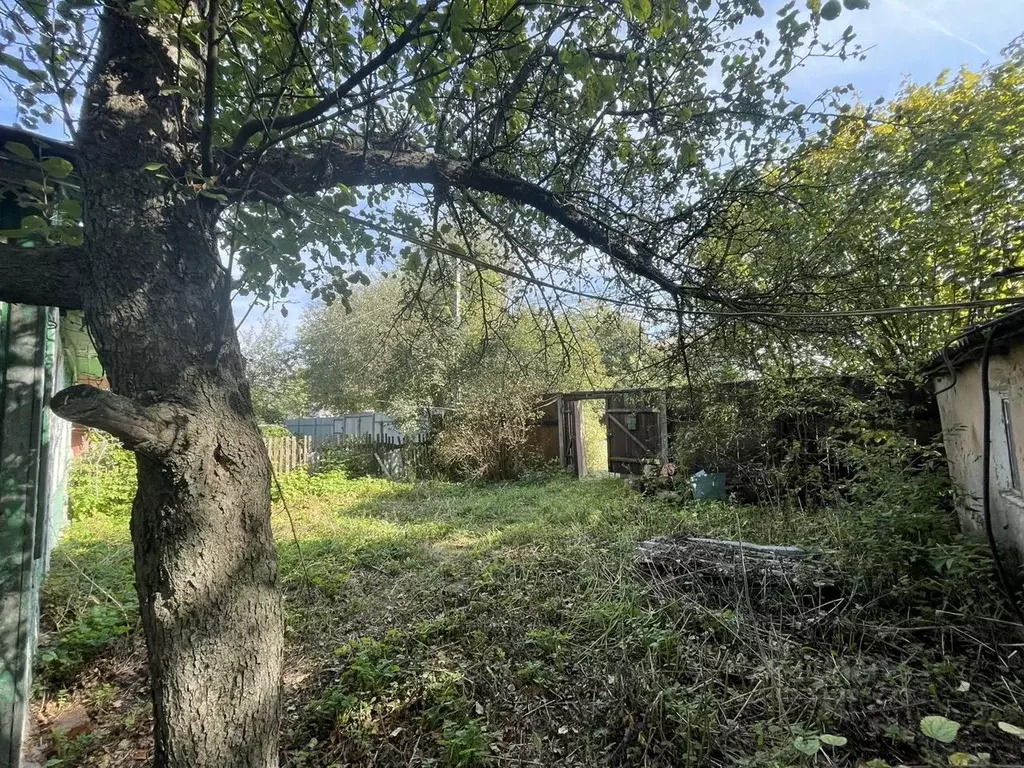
154 166
70 209
71 236
20 150
369 43
35 7
961 758
831 10
34 224
809 745
220 198
1011 729
940 728
642 9
57 167
26 72
857 5
832 740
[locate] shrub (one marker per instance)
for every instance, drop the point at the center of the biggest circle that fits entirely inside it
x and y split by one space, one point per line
487 438
103 478
353 458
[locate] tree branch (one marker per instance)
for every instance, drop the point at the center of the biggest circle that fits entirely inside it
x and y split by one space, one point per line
210 87
290 172
251 127
46 277
146 430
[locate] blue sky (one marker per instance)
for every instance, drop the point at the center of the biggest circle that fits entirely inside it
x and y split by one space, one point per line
916 39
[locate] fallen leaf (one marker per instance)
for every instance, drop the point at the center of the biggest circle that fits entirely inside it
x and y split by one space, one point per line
1011 729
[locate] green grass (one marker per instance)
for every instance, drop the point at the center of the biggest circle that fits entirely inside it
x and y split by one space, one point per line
454 625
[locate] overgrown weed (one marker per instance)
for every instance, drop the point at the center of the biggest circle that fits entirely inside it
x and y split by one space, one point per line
451 625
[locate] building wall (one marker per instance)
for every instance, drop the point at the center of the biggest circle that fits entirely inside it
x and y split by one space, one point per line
961 409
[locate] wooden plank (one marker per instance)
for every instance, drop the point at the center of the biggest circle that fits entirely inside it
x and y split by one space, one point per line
663 425
561 431
645 448
598 394
579 451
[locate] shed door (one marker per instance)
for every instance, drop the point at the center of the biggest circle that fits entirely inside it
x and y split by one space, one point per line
636 433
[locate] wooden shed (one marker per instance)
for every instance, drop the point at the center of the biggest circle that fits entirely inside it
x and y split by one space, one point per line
985 365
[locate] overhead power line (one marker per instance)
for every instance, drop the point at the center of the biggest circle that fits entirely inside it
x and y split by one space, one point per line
913 309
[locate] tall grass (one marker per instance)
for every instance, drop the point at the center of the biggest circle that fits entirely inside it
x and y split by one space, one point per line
469 625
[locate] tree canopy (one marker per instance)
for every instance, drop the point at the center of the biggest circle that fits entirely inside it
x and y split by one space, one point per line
910 203
560 131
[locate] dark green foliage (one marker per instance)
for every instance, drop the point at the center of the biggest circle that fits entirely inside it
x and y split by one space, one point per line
81 640
355 458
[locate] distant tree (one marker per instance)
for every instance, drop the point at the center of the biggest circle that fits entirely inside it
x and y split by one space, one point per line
277 378
376 352
398 346
629 353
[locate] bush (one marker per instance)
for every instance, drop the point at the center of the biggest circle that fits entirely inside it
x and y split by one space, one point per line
353 458
301 483
103 478
274 430
487 438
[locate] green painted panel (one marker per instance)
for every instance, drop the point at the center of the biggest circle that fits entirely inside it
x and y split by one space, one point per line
78 348
20 445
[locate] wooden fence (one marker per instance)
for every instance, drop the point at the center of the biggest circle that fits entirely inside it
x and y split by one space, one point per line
382 455
289 453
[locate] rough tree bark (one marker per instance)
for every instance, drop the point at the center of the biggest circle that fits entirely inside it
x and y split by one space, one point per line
155 300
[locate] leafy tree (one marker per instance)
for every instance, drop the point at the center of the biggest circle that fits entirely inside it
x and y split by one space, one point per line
381 352
277 380
222 146
915 202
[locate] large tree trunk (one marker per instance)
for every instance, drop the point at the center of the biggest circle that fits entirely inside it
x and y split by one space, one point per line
156 304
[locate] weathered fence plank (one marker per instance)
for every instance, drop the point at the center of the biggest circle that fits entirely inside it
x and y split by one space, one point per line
394 459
